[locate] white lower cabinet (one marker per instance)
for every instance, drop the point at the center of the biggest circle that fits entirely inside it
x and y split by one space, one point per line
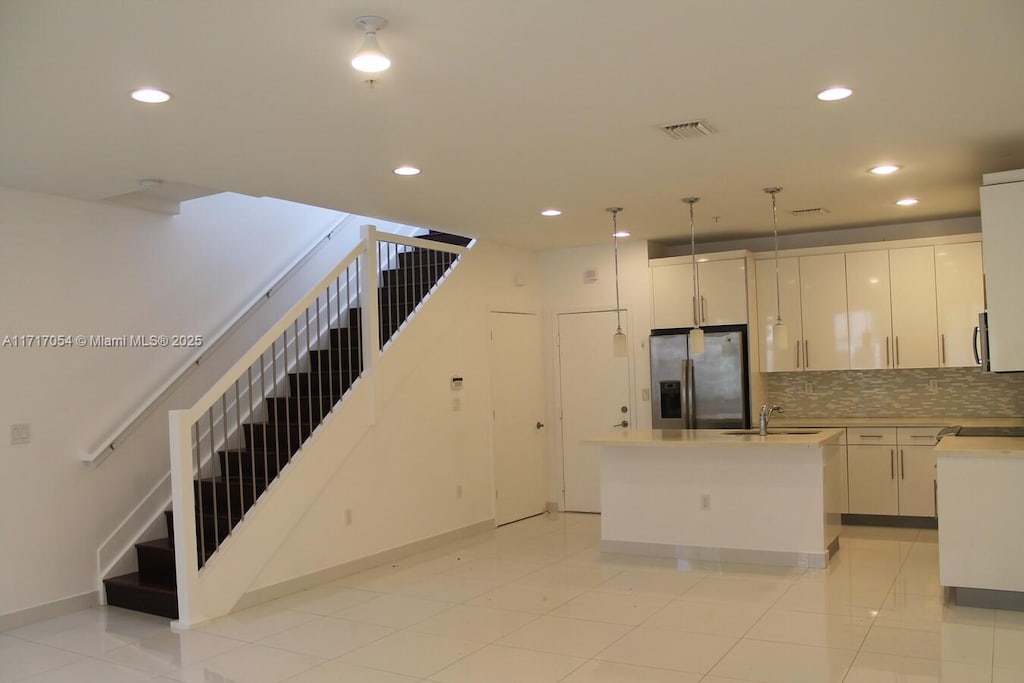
892 471
873 486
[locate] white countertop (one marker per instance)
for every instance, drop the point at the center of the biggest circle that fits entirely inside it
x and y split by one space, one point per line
675 438
968 446
781 421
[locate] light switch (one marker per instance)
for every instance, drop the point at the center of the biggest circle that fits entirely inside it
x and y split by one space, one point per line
21 434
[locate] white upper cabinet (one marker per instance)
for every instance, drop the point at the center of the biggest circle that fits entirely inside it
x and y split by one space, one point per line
723 292
914 320
1002 228
826 342
672 289
774 358
960 297
870 313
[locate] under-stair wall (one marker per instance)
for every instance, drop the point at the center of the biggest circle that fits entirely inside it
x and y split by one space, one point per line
397 460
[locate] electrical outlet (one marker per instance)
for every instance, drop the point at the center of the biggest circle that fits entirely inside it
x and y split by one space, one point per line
348 517
645 394
808 388
933 386
705 502
21 434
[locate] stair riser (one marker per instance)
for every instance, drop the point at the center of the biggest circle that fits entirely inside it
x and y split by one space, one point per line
156 566
265 438
330 387
342 357
285 411
420 259
159 603
253 464
218 500
421 279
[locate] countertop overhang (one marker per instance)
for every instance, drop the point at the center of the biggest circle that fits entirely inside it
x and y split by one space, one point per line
973 446
713 438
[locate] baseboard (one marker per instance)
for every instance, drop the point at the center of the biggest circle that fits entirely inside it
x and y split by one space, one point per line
891 521
279 590
729 555
49 610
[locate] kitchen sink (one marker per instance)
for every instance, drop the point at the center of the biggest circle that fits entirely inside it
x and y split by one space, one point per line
754 432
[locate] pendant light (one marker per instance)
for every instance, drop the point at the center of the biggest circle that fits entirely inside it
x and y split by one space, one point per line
620 346
696 336
370 58
780 334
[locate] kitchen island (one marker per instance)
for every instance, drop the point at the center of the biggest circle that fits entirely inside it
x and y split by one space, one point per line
979 483
721 495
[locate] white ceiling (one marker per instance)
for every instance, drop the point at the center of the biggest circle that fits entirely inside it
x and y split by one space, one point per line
513 106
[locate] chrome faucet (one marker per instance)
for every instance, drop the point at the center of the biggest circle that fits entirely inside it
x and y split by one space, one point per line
766 414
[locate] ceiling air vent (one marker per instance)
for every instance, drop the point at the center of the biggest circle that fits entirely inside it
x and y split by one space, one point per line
688 129
816 211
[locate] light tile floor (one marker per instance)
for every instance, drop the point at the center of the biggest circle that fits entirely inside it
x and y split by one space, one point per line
537 602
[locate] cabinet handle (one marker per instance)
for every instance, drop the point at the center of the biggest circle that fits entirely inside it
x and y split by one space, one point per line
935 495
943 347
886 352
807 356
703 309
897 351
870 436
903 470
892 463
696 315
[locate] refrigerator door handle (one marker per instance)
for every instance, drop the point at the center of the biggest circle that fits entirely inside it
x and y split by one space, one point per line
689 412
974 345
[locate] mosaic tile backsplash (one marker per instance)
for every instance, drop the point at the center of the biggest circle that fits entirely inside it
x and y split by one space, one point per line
961 392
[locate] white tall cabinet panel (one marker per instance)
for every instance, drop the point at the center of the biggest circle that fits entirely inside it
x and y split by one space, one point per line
826 343
960 297
672 288
868 305
1002 229
774 358
914 319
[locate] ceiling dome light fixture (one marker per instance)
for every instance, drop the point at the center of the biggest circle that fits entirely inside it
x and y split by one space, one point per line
884 169
834 94
907 201
407 170
550 212
151 95
370 58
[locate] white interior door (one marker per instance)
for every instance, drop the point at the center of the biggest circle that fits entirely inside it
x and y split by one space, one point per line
595 400
517 396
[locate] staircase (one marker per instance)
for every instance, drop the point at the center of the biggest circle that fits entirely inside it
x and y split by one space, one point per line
245 472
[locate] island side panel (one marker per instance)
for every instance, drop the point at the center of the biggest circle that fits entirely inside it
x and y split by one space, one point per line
763 499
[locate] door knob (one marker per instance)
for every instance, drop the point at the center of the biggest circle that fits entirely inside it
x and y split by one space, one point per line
540 425
624 423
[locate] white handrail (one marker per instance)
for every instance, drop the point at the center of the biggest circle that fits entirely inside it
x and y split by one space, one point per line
106 446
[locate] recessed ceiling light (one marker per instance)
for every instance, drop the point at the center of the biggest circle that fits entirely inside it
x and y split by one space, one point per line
550 212
907 201
884 169
833 94
620 233
150 95
407 170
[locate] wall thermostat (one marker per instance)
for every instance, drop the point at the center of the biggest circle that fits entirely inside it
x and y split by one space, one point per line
456 383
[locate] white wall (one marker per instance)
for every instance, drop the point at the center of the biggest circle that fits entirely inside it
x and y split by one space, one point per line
565 291
74 267
400 482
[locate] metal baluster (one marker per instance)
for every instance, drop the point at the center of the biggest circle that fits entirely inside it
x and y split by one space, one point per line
359 284
298 400
287 397
319 372
213 488
266 409
337 317
198 453
252 455
239 433
319 383
227 469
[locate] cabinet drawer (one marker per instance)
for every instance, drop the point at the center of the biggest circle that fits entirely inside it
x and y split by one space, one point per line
917 436
871 436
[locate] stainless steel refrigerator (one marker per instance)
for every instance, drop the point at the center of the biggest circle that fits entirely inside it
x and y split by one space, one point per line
700 391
